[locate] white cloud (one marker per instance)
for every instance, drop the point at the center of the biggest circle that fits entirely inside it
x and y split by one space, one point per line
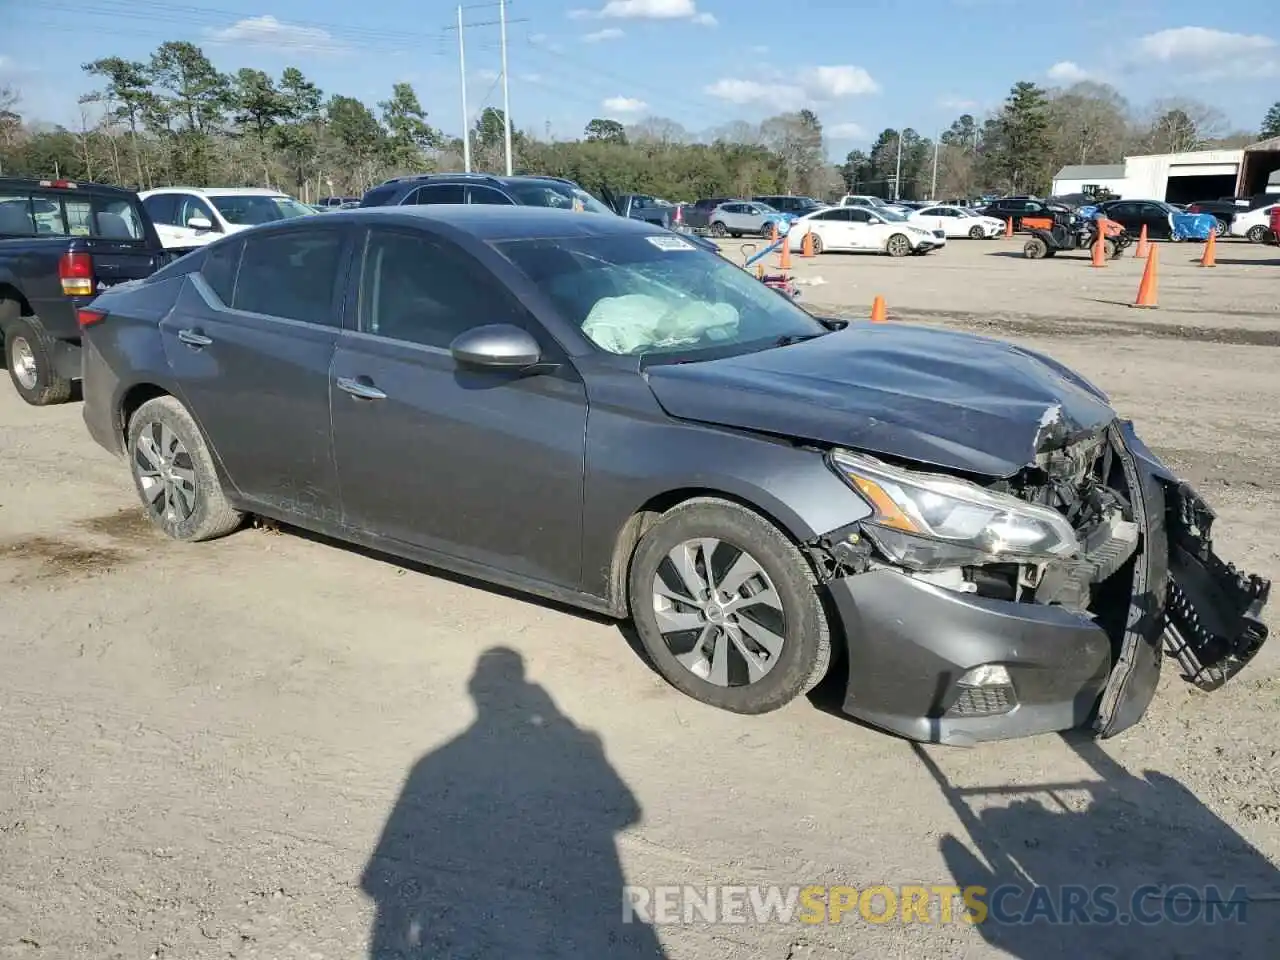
646 10
267 31
957 103
815 85
1197 42
844 131
1067 71
759 48
624 105
608 33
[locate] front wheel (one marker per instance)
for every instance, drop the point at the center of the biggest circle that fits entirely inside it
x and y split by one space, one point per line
29 358
1257 234
174 474
1035 249
727 608
898 245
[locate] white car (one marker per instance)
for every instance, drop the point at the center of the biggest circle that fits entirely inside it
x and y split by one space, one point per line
863 228
189 217
1255 224
958 222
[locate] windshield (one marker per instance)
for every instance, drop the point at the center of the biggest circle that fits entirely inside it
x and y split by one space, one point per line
250 209
559 196
637 295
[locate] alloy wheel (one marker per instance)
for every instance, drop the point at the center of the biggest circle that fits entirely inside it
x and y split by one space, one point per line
23 363
718 612
166 473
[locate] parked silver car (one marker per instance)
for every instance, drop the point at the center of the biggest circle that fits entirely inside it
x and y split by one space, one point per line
744 216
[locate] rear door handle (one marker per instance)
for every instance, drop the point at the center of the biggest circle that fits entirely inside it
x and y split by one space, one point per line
194 338
360 389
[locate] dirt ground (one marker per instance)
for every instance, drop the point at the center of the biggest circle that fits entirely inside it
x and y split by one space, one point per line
269 746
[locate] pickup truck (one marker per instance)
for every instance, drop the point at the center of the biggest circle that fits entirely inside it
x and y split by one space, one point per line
639 206
61 244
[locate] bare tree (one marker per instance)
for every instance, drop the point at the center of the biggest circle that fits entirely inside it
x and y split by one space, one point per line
1179 125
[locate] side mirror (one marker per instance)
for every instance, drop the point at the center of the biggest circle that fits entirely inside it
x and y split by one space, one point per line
497 346
200 223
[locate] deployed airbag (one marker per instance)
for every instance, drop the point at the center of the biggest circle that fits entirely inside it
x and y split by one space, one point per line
635 322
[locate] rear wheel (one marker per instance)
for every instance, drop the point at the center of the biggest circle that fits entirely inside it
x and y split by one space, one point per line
1220 227
817 243
174 474
718 230
29 358
1257 234
976 233
1035 249
727 608
898 245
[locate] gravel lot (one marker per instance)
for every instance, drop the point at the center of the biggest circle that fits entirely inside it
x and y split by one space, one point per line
267 746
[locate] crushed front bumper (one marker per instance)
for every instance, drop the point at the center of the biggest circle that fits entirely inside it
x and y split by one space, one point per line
941 666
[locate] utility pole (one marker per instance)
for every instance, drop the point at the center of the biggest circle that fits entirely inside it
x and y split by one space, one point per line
933 191
506 92
897 174
466 114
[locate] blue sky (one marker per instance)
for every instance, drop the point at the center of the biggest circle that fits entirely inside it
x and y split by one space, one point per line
862 65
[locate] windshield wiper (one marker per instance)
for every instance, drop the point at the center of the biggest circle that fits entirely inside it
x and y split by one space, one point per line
788 339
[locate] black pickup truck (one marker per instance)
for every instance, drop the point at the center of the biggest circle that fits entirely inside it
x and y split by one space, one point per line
61 244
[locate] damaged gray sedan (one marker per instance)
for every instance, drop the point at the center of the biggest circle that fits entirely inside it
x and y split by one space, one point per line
593 410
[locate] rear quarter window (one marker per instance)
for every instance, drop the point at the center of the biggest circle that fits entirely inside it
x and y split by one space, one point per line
380 196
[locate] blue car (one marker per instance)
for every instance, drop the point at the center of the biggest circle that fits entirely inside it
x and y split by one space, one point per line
1162 220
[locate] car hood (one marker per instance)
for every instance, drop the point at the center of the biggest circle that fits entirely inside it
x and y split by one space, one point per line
937 397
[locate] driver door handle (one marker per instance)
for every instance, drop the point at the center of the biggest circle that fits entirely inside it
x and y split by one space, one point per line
360 389
194 338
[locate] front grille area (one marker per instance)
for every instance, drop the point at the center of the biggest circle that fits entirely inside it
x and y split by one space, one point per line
983 702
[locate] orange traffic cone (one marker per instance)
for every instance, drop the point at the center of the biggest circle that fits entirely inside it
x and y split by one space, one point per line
1150 280
1100 244
1008 227
1208 258
806 246
878 312
1144 245
784 255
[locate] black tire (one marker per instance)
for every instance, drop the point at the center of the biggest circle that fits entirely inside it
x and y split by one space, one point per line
1110 249
1035 249
211 514
1257 234
28 356
976 233
898 245
805 653
1220 227
817 243
718 230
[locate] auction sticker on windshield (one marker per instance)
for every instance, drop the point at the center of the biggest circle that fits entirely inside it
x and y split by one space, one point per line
671 243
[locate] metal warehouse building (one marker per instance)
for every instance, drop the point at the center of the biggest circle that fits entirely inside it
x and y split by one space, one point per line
1182 177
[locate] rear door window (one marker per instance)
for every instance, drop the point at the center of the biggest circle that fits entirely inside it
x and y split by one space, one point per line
438 193
291 274
221 263
488 195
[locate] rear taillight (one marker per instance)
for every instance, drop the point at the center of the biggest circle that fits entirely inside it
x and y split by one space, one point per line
75 270
88 318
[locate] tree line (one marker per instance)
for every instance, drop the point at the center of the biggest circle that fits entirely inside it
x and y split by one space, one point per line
176 119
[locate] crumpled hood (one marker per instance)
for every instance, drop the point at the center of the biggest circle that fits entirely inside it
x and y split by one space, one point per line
941 398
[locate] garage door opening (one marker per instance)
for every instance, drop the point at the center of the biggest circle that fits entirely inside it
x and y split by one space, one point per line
1260 172
1204 187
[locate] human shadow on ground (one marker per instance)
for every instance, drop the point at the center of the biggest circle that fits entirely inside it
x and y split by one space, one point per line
502 842
1156 872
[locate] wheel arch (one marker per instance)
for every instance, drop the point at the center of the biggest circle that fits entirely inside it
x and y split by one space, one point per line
11 294
758 501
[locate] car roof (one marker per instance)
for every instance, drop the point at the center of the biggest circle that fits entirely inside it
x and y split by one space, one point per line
218 191
45 183
492 222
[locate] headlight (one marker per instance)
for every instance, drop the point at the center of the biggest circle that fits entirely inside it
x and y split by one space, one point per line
927 520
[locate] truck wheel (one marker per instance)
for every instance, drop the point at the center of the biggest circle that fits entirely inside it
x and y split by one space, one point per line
30 363
1035 249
